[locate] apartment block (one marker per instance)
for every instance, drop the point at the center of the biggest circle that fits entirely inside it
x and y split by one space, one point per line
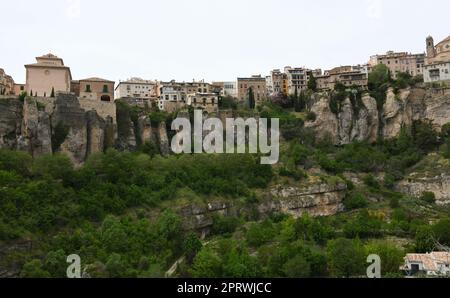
400 62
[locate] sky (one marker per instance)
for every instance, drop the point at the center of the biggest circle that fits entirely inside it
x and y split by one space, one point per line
214 40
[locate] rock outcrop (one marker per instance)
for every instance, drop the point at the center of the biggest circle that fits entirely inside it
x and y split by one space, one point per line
316 200
42 126
349 124
366 123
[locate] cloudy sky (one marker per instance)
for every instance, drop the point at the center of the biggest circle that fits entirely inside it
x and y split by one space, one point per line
211 39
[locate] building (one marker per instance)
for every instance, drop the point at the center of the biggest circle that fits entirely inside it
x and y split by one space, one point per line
96 89
346 75
226 88
430 264
172 98
297 78
208 102
6 84
19 89
400 62
138 88
437 62
277 83
256 83
46 75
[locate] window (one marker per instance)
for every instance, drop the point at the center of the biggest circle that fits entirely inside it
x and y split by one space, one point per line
105 89
88 88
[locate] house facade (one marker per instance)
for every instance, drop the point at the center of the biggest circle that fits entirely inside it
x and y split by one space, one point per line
437 62
431 264
46 75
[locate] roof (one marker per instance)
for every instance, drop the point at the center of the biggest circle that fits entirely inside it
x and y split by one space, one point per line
430 261
444 41
97 80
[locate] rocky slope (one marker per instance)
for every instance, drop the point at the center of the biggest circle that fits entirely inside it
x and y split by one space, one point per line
367 122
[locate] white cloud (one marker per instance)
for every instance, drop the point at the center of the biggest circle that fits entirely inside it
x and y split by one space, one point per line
374 9
73 10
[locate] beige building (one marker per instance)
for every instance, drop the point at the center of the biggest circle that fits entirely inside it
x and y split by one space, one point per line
346 75
276 82
47 74
400 62
256 83
95 89
437 62
138 88
226 88
19 89
6 84
172 98
208 102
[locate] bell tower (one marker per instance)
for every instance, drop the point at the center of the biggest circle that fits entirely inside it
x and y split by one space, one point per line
431 51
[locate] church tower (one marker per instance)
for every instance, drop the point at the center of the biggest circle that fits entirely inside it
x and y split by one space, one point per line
431 51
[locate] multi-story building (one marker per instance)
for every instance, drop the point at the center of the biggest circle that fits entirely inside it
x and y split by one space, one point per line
226 88
277 83
256 83
6 83
138 88
94 89
46 75
400 62
172 98
297 79
346 75
208 102
437 62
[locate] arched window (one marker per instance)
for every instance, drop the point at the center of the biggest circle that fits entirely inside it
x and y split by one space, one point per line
106 98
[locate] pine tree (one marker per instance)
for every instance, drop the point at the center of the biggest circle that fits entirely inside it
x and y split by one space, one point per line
312 83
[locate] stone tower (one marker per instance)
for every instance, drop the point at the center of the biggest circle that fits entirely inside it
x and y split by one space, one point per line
431 51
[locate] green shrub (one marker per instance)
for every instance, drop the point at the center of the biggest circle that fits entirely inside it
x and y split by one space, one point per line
428 197
355 200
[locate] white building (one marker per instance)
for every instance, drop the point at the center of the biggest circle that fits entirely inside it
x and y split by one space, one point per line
230 89
297 79
171 96
137 88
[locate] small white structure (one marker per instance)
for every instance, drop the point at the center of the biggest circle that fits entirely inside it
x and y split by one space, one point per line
430 264
137 88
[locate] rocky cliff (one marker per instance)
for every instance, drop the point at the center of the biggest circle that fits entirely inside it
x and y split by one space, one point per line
65 124
365 122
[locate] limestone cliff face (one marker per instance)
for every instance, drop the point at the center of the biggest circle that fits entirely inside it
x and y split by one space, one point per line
43 126
366 122
315 200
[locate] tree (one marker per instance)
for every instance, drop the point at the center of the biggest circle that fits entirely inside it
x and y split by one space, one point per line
424 135
33 269
298 267
312 83
391 256
206 265
424 241
192 245
441 231
251 99
346 257
53 92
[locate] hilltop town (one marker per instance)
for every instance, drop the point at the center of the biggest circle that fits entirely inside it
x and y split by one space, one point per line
86 168
49 76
